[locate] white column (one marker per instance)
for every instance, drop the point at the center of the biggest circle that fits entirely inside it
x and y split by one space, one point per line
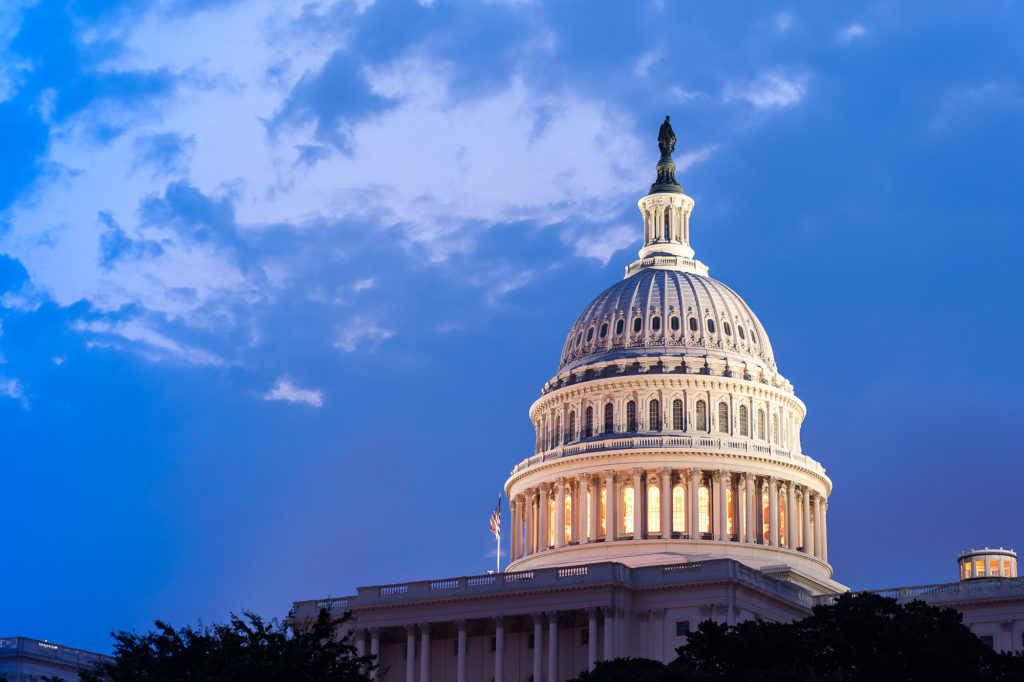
694 524
639 503
740 509
375 650
531 525
666 503
579 511
499 648
724 480
751 517
817 525
560 512
552 646
591 637
595 506
360 637
517 529
410 653
424 652
544 512
460 669
790 515
610 525
584 507
609 633
824 530
805 522
538 646
773 511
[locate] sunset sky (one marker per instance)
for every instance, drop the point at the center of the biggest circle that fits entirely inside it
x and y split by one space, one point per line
280 281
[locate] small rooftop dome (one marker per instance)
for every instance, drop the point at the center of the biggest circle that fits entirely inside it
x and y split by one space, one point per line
988 563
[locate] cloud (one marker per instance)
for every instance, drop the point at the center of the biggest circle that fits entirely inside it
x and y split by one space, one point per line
163 153
364 284
284 389
602 245
774 89
361 331
783 21
851 33
147 341
12 388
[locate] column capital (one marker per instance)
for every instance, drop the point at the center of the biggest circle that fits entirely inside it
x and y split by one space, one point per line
538 617
608 610
410 629
560 482
552 616
741 479
591 611
544 487
695 472
585 477
638 471
460 623
374 632
610 474
424 628
773 481
716 476
499 621
666 471
824 504
658 613
791 485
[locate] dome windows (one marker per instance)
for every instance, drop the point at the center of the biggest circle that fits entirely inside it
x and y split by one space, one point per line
579 338
674 323
655 323
588 423
723 417
631 416
619 326
744 427
727 329
739 329
604 330
590 335
677 415
609 418
637 324
702 415
711 326
654 415
693 324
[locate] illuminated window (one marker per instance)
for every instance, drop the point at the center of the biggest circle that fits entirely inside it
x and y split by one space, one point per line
775 428
609 422
979 568
627 510
654 415
604 330
588 519
966 569
961 571
674 323
1006 570
653 509
551 522
677 414
679 509
568 519
604 514
743 421
702 416
723 418
637 324
993 567
619 325
704 509
693 324
765 514
782 524
588 423
730 512
572 427
760 424
711 325
631 416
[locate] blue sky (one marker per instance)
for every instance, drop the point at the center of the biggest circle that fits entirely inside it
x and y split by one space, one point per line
279 281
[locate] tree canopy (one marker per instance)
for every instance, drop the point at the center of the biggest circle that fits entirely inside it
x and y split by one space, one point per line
863 637
244 649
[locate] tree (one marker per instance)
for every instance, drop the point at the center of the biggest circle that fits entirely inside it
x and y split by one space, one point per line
246 648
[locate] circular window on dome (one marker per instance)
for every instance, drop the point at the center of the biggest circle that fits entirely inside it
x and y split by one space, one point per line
674 322
739 328
727 329
619 326
693 324
590 334
711 325
637 324
604 330
655 323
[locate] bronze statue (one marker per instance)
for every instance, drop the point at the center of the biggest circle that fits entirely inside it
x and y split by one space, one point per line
666 138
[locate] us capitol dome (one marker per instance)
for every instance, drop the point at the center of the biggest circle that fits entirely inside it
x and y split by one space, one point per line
668 434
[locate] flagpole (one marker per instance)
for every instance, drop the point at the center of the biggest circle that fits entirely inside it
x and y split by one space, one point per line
497 555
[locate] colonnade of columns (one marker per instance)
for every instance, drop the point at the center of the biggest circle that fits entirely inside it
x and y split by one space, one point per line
716 505
609 615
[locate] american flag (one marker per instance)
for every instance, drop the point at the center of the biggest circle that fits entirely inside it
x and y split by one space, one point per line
496 520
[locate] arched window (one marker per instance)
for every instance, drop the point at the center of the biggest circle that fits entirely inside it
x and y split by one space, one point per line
637 324
653 509
579 337
679 509
551 522
723 417
590 334
727 329
568 518
677 414
744 426
730 512
627 510
619 325
609 422
704 509
556 434
711 325
588 424
739 328
760 424
674 323
765 514
654 415
775 428
631 416
666 224
702 416
655 324
571 435
604 330
693 324
604 512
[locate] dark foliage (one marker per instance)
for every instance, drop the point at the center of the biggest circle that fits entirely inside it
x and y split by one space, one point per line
246 648
858 638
